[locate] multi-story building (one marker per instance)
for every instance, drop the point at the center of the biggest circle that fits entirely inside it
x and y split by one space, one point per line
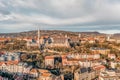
46 75
10 58
109 75
98 69
97 50
111 56
59 42
83 60
84 74
114 64
49 61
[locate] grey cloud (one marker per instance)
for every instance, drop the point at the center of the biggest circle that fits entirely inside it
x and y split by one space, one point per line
77 14
5 12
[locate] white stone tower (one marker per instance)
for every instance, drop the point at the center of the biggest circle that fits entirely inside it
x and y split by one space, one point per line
108 37
79 35
38 38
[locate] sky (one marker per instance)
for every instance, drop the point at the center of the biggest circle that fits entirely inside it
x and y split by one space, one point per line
70 15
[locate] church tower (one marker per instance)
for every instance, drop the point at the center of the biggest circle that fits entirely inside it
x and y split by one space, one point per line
38 38
79 35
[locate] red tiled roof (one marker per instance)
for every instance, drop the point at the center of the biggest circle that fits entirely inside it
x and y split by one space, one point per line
49 57
9 62
33 71
99 67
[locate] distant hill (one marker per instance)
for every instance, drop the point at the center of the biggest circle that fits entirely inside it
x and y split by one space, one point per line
116 36
46 32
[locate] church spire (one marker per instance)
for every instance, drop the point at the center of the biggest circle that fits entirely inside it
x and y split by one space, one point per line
38 37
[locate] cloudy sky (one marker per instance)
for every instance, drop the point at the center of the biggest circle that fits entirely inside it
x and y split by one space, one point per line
70 15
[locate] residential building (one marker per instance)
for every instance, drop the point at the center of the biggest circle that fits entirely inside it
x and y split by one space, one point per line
46 75
112 56
98 69
109 75
10 58
49 61
97 50
73 59
84 74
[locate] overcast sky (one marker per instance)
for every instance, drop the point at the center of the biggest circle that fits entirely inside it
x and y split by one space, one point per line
70 15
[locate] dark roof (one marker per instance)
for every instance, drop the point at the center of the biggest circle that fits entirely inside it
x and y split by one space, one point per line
83 70
97 48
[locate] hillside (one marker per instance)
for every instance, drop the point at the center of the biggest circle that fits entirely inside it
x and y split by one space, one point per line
46 32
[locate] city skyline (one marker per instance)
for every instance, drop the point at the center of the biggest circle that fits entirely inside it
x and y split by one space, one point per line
70 15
